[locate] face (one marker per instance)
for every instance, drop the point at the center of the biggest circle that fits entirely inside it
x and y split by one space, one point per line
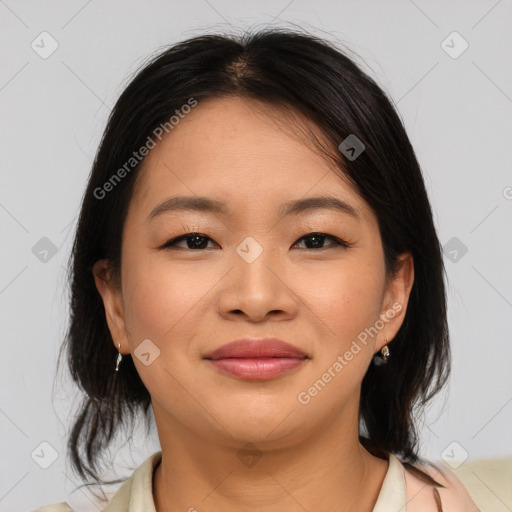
313 277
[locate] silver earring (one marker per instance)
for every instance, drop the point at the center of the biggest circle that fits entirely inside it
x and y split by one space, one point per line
119 357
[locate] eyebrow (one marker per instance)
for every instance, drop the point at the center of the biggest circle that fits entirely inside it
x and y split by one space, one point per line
294 207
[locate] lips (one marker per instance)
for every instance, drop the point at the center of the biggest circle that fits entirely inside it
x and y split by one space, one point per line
256 348
257 359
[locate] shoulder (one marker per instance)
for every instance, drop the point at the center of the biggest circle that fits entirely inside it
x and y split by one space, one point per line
57 507
137 488
421 496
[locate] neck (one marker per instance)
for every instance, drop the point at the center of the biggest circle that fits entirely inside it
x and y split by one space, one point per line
329 470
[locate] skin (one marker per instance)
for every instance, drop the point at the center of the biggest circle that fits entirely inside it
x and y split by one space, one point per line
190 301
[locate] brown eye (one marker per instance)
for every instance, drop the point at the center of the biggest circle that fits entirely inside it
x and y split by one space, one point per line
317 240
193 241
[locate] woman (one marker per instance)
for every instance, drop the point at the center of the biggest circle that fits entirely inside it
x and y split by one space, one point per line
256 260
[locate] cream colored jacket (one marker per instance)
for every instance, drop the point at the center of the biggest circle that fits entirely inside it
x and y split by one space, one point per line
401 491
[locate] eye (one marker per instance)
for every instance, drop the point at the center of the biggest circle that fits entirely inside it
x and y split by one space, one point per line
199 241
192 241
316 240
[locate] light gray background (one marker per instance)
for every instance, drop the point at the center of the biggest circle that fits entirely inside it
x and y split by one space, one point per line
458 115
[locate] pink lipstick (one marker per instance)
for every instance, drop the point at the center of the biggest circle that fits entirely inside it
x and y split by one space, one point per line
257 359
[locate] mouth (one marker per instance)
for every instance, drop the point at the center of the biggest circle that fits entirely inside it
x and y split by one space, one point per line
257 359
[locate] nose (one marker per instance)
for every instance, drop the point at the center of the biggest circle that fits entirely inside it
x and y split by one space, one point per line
257 289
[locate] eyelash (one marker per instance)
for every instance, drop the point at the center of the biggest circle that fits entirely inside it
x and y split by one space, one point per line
338 242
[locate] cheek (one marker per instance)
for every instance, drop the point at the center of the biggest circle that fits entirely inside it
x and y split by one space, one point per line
345 300
161 303
347 303
162 298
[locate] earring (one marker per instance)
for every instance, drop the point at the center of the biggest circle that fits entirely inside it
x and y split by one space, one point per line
384 354
119 357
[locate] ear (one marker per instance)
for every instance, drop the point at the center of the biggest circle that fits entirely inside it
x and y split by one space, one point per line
110 292
396 298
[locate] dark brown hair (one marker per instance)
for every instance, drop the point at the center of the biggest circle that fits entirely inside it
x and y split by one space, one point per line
307 75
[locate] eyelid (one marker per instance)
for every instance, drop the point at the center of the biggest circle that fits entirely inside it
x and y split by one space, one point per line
184 236
337 241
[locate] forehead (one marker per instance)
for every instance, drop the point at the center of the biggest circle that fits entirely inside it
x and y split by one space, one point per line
241 151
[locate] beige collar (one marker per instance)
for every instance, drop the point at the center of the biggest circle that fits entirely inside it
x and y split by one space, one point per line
136 493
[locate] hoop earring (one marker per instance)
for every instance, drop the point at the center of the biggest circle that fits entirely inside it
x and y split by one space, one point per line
383 355
119 357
